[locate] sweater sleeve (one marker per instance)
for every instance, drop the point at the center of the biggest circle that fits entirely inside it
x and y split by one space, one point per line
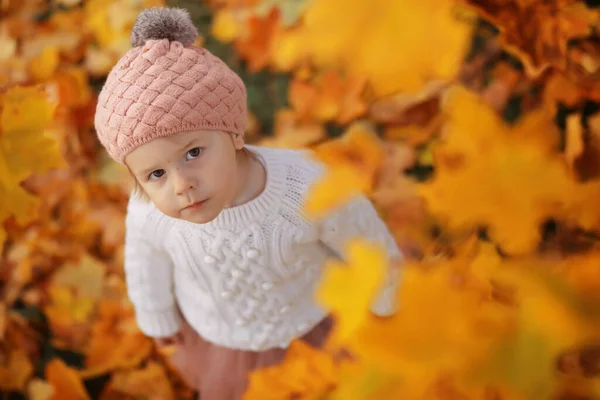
359 219
149 272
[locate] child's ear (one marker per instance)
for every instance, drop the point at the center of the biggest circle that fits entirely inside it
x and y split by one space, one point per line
238 141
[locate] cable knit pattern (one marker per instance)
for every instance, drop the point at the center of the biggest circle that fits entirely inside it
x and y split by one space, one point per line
162 88
246 279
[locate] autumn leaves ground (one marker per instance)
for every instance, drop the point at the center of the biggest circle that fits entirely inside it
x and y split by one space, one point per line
473 125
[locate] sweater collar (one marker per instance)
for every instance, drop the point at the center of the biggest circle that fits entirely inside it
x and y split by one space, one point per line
267 201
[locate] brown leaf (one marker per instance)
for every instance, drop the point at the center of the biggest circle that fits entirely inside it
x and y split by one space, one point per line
538 32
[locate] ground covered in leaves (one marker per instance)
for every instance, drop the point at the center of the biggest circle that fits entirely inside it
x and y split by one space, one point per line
474 126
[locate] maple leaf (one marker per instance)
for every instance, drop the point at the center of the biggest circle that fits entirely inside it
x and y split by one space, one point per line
365 41
551 319
538 32
149 382
45 64
465 327
65 381
73 293
257 46
109 22
490 174
114 342
73 87
16 371
305 373
328 97
364 272
352 163
24 150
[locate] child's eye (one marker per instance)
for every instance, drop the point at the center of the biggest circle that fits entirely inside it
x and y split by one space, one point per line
156 174
193 153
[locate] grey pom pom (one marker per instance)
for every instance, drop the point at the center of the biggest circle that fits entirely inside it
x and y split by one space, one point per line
174 24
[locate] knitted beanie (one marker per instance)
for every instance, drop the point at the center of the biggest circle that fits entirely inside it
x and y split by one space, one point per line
165 85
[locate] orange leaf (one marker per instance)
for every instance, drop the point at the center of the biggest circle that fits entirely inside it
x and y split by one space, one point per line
149 382
305 373
257 46
44 65
66 382
16 371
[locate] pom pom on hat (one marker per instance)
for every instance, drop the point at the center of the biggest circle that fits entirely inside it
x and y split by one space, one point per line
158 23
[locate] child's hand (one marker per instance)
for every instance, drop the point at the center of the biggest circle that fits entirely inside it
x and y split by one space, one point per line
175 339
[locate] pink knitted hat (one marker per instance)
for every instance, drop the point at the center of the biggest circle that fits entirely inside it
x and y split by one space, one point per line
165 85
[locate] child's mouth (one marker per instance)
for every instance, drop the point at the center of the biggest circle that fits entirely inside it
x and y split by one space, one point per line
195 206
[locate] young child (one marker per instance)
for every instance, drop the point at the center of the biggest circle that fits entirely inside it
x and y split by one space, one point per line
219 258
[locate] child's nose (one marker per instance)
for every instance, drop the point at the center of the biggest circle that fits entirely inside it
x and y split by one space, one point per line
183 182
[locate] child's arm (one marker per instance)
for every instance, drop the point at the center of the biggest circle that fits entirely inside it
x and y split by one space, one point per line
359 219
149 274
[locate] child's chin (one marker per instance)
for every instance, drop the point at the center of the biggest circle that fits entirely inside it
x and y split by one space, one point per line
201 217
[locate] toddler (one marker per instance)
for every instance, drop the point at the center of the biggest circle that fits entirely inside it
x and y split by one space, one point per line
219 258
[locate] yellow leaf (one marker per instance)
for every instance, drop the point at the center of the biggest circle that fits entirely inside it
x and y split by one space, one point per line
65 381
348 290
26 112
44 65
17 371
488 174
335 188
447 323
352 163
24 150
365 41
225 27
551 321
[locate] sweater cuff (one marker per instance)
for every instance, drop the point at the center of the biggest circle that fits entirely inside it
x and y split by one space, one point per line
159 323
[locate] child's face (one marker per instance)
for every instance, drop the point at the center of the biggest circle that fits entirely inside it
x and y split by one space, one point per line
189 175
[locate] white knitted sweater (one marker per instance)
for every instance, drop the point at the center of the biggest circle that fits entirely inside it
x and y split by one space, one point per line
246 279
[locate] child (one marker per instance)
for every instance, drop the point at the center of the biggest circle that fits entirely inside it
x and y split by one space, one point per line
218 256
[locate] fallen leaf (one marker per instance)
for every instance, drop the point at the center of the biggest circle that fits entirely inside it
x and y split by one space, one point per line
364 273
478 147
257 46
114 343
45 64
365 41
15 371
305 373
538 33
150 382
65 381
